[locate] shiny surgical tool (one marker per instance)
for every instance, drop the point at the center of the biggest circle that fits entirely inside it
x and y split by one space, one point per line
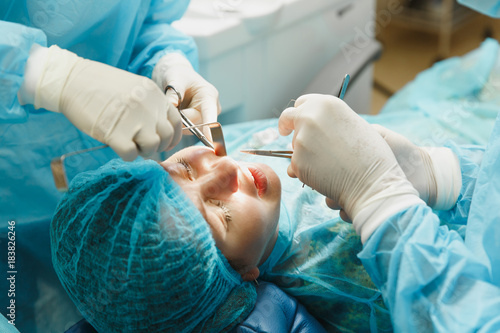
218 145
274 153
59 172
188 123
288 153
343 86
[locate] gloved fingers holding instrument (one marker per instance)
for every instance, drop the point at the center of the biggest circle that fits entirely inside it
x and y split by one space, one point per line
200 99
124 110
340 155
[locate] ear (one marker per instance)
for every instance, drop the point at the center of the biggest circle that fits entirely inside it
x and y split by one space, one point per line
251 275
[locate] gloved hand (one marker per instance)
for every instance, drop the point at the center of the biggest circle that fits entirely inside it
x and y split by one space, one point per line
126 111
200 99
434 172
340 155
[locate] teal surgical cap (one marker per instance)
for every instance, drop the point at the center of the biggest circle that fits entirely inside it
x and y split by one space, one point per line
135 255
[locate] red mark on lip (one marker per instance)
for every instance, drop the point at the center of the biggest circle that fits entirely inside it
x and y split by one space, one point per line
259 179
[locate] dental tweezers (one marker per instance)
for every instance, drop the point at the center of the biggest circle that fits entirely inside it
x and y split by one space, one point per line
288 153
274 153
59 171
188 123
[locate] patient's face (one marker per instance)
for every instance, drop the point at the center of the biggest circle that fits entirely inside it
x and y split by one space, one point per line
239 201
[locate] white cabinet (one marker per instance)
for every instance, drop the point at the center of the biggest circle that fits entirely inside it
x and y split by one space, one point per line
262 54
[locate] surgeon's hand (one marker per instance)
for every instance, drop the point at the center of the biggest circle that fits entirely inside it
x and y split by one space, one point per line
200 99
434 172
340 155
126 111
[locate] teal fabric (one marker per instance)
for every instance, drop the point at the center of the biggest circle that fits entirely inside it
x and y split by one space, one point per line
470 158
130 35
454 100
488 7
431 278
135 255
7 327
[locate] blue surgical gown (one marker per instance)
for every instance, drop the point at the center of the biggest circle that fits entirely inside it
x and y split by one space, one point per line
127 34
439 279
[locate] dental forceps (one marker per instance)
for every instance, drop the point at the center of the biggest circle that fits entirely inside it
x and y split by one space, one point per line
59 171
343 86
288 153
274 153
188 123
215 129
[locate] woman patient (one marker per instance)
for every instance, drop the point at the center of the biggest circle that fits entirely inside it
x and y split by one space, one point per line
134 253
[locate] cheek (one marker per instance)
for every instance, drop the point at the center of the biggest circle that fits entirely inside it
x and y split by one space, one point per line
254 222
256 213
257 221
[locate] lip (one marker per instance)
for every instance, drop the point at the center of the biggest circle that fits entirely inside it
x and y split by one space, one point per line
259 179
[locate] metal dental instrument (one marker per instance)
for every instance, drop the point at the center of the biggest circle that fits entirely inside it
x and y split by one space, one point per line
288 153
274 153
59 172
343 86
188 123
57 163
217 136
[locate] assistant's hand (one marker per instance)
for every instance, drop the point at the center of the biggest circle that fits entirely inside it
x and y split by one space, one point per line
126 111
335 151
433 171
200 99
340 155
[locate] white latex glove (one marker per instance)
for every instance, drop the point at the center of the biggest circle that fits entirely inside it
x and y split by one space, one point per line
434 172
126 111
200 99
340 155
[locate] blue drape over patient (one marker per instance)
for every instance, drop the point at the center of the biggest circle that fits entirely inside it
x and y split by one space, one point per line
488 7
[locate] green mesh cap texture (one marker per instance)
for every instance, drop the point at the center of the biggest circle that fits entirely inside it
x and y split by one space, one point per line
135 255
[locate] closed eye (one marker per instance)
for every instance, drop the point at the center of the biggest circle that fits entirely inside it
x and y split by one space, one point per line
226 215
187 167
225 211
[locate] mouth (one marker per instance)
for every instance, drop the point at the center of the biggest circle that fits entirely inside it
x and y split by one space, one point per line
259 179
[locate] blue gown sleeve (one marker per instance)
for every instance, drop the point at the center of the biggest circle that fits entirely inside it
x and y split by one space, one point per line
157 37
430 280
15 43
470 157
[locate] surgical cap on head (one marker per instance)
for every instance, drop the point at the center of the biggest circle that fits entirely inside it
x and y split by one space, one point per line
135 254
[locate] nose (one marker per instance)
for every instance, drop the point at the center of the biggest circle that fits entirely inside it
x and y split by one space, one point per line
221 180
